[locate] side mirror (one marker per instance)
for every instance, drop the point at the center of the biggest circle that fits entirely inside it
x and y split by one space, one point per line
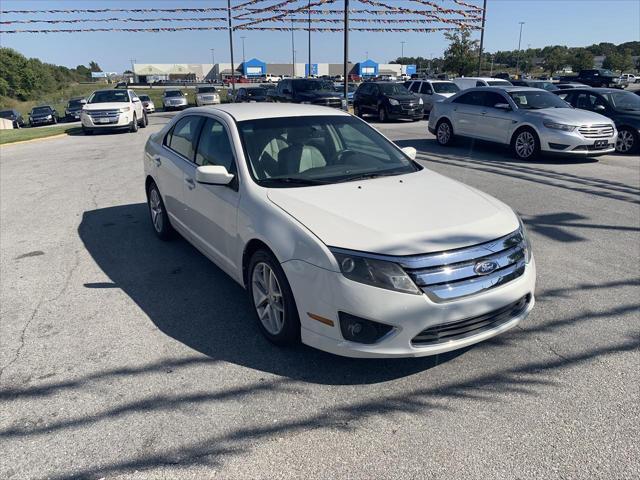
502 106
599 108
83 101
410 152
213 175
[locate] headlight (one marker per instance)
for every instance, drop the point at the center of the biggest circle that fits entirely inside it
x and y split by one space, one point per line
378 273
125 109
420 102
525 241
393 101
560 126
49 117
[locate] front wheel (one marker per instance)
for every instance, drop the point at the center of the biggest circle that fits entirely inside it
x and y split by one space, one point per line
145 121
627 141
525 145
134 124
273 300
383 116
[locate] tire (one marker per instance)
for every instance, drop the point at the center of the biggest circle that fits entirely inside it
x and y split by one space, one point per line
628 141
383 116
525 144
87 131
356 111
273 302
54 121
158 213
134 124
144 122
444 133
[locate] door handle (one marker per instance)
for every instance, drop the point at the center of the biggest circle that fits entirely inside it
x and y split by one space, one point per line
483 112
190 183
156 158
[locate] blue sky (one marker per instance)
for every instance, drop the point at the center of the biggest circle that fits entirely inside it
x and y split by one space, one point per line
565 22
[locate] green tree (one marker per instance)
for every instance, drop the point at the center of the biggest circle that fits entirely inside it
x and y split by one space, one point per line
581 60
554 59
460 57
618 62
94 67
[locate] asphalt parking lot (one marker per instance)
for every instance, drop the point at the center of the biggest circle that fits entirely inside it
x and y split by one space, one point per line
126 357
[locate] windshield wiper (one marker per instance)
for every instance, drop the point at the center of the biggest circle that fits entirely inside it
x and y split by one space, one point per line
293 181
367 176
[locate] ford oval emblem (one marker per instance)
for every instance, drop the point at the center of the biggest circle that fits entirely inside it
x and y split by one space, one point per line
485 267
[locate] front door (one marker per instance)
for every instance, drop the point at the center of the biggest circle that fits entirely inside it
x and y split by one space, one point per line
497 123
212 210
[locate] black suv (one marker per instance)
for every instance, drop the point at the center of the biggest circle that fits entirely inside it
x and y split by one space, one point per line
43 115
596 77
621 107
307 90
74 107
387 100
15 117
251 94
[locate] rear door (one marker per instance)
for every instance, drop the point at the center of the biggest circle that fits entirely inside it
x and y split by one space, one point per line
212 210
426 94
467 113
173 163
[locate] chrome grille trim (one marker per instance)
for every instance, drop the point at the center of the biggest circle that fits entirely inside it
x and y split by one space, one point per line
596 131
104 113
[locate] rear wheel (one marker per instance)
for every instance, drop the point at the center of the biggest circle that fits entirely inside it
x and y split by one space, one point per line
525 144
627 141
134 124
159 217
444 133
145 121
356 110
383 116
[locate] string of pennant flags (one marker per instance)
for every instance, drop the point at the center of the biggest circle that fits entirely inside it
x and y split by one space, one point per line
248 16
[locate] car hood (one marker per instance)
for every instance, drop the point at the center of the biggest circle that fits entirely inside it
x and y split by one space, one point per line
444 95
570 116
316 95
40 115
408 214
404 98
105 106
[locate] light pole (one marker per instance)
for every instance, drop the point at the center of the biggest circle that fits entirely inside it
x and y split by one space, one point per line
293 53
309 25
233 76
213 63
402 52
243 51
484 11
133 61
519 42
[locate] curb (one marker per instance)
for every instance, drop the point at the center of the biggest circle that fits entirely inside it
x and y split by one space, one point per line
33 140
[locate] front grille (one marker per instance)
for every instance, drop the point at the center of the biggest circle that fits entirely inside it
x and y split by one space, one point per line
447 332
596 131
110 114
329 102
454 274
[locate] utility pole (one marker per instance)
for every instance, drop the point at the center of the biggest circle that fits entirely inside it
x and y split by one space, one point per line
133 61
519 42
233 73
493 56
213 63
402 54
309 16
293 53
346 54
484 12
243 60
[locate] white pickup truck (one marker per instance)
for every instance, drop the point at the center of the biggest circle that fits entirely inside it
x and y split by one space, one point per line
113 110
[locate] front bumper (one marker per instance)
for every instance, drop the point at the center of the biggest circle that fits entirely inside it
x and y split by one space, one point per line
397 112
207 101
123 120
40 121
408 314
175 105
557 142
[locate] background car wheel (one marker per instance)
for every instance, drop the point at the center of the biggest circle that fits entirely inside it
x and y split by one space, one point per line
356 111
145 121
87 131
627 141
444 133
134 124
273 299
159 218
525 144
382 114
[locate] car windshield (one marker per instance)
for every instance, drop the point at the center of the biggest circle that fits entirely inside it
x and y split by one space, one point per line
394 89
607 73
623 100
537 100
144 98
173 93
445 87
206 89
498 83
544 85
39 110
75 103
109 96
6 114
256 92
302 151
311 85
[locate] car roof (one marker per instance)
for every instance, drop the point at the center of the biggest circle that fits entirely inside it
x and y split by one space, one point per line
506 88
481 78
255 111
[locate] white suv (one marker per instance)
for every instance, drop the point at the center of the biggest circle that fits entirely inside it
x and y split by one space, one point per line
307 207
113 110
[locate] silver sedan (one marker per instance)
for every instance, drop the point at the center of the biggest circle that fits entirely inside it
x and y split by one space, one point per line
530 120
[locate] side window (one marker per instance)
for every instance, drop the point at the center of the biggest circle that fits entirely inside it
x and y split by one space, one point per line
426 88
214 147
133 95
480 83
415 87
184 135
584 101
492 98
470 98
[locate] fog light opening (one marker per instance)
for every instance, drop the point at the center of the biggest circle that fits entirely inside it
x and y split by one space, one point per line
360 330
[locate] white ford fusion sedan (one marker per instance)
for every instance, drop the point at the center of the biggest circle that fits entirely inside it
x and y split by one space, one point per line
342 240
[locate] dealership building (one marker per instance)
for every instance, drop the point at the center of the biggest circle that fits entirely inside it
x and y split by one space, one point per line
202 72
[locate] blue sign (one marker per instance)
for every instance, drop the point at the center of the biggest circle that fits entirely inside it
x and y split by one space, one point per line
411 69
314 69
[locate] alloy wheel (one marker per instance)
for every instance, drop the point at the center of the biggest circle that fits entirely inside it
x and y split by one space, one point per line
624 142
155 206
525 144
267 298
444 133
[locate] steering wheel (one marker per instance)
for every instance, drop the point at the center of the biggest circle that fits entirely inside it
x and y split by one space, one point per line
342 157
